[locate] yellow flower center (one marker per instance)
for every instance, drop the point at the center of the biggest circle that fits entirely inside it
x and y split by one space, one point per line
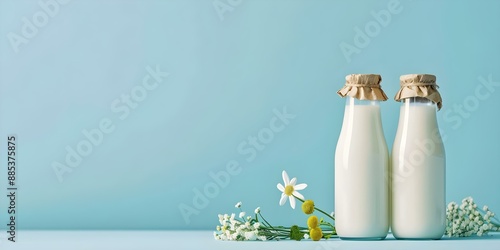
289 190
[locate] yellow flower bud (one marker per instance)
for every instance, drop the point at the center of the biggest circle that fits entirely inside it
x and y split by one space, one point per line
312 222
308 206
315 233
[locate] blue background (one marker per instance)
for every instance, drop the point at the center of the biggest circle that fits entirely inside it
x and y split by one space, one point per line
227 73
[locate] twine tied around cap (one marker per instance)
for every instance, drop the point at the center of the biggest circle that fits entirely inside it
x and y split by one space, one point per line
363 87
419 85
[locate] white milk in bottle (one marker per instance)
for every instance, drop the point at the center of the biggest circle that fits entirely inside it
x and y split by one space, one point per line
361 163
418 163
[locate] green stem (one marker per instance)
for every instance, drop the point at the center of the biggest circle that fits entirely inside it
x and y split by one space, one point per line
282 229
276 229
330 235
315 208
495 221
328 224
300 228
268 224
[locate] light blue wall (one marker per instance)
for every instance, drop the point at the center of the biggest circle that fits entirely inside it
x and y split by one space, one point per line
228 76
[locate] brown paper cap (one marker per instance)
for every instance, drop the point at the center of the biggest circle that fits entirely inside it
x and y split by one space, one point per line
363 87
419 85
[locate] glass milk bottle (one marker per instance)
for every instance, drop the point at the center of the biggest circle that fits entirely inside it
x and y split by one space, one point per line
362 163
418 162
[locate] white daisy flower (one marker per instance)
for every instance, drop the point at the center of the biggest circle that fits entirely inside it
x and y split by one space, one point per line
290 189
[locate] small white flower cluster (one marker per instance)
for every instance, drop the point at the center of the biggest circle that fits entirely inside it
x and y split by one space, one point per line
467 220
239 230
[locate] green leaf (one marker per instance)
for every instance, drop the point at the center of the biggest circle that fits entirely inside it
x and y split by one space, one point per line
295 233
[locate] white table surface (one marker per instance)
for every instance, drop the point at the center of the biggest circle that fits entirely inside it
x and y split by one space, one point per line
91 240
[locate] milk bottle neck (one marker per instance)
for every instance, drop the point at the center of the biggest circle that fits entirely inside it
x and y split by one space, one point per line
417 114
418 101
363 115
350 101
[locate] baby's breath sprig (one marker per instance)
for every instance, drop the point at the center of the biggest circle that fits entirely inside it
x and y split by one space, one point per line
468 220
254 228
